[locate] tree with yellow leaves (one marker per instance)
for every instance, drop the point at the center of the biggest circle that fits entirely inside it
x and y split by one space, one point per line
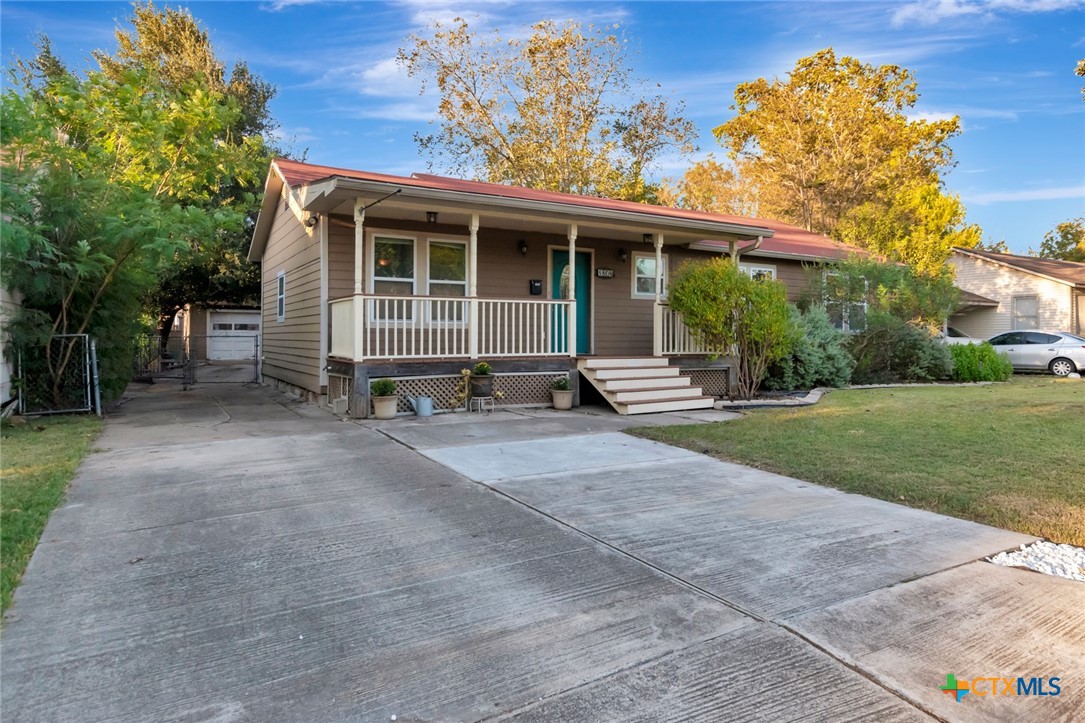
556 110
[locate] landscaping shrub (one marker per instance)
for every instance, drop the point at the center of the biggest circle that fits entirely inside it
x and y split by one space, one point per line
818 359
731 311
892 350
979 363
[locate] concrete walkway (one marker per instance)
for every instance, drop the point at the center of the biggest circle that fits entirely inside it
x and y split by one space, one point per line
231 555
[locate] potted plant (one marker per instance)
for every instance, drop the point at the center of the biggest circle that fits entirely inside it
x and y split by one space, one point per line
482 380
385 399
561 393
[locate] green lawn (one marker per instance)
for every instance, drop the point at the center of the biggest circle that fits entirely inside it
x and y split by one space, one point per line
37 459
1010 455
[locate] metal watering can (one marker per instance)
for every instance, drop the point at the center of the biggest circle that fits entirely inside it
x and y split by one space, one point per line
422 406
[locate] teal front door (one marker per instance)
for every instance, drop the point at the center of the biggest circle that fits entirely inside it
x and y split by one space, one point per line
559 289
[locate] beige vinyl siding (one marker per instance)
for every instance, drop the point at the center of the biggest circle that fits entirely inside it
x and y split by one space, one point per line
291 348
1002 283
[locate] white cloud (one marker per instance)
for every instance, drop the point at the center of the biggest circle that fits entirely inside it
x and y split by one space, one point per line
279 5
387 78
1038 194
931 116
932 12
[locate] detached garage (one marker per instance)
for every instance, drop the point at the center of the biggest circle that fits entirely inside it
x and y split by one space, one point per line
228 334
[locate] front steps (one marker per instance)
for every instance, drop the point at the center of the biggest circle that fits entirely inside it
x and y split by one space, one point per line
642 385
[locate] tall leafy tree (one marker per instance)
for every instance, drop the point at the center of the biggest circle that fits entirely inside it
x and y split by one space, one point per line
557 109
1066 242
710 186
174 49
105 182
833 136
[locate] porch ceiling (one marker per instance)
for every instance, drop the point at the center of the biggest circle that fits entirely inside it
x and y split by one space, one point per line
338 196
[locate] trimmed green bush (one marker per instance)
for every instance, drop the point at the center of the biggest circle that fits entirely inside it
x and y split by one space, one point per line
819 357
382 388
979 363
892 350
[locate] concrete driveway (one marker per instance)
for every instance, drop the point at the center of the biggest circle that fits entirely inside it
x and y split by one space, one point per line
230 555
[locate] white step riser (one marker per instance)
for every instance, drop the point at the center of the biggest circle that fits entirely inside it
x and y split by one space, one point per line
604 374
673 406
618 385
634 396
627 363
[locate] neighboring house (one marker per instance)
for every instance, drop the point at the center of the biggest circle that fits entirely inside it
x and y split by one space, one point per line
1009 292
366 275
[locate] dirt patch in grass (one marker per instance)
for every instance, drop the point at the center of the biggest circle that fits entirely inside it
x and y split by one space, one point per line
1009 455
37 460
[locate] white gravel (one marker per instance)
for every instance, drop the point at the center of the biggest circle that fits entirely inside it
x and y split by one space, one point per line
1046 557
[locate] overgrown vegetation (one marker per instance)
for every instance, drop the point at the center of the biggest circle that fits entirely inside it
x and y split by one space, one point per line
892 312
39 458
819 357
979 363
1003 454
126 184
731 311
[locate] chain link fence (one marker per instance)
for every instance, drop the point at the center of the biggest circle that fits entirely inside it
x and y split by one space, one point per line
210 359
59 377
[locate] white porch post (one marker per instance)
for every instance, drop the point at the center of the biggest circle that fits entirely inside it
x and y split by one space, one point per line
572 290
472 288
358 302
657 309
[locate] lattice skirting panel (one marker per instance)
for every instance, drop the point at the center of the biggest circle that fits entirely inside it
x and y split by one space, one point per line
442 389
516 389
712 381
339 387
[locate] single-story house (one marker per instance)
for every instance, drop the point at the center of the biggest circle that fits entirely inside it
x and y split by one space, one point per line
1007 291
367 275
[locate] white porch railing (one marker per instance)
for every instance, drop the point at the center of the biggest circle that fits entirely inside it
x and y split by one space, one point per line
671 336
369 326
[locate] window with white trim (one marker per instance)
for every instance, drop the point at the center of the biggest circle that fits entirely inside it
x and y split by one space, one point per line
1026 312
393 275
758 272
644 276
847 307
280 300
447 276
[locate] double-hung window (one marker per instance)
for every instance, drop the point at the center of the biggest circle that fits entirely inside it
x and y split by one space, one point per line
280 299
846 304
758 272
447 277
645 276
393 275
1026 312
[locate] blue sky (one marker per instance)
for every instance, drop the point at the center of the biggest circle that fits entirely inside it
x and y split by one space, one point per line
1004 66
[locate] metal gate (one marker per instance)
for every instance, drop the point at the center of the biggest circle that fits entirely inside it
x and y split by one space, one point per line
232 358
215 358
59 377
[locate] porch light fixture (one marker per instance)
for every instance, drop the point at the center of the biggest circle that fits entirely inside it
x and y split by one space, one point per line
647 238
431 216
623 255
311 221
522 245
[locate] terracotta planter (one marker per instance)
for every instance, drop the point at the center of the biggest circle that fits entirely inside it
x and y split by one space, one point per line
563 398
482 386
385 407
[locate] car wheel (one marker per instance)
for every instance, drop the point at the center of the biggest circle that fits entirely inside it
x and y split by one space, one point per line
1061 367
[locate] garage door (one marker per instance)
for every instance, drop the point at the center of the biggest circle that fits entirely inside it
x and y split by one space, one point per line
233 335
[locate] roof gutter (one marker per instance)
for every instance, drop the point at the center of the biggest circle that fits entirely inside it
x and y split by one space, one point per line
548 207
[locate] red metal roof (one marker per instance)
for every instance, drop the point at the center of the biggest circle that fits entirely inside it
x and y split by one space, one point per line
787 239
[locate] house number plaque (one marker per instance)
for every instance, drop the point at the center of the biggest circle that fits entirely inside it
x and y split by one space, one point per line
605 273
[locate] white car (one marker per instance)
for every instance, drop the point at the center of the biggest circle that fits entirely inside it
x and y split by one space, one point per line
956 336
1060 353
